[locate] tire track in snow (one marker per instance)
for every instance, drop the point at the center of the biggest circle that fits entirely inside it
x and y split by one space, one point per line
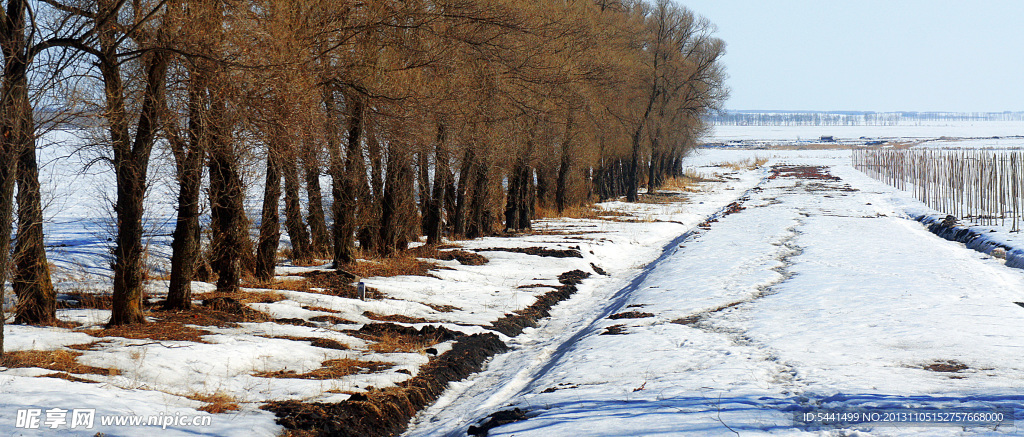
494 387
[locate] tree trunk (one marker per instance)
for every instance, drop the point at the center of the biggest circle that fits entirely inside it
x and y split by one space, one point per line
423 186
433 217
397 206
297 232
17 129
463 194
564 164
37 299
320 238
370 208
652 172
342 186
131 167
185 248
270 223
230 227
562 184
480 214
632 179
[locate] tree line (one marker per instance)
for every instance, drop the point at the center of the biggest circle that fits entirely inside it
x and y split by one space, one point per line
436 118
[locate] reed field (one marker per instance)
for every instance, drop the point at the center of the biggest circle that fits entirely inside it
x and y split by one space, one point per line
981 186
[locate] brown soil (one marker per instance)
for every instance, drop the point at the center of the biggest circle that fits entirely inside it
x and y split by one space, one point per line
630 315
332 319
387 412
950 366
320 342
538 251
514 323
462 256
495 420
389 337
393 318
802 172
615 330
338 284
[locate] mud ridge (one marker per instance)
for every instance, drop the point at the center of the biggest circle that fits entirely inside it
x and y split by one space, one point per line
387 412
513 324
537 251
977 239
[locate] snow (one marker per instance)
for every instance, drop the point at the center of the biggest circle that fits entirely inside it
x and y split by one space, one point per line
915 130
838 299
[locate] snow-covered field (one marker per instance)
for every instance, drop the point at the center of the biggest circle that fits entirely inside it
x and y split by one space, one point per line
906 131
819 293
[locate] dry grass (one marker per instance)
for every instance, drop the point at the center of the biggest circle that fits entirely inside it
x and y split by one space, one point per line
401 264
332 319
398 342
331 369
216 403
178 325
393 318
291 283
573 211
320 342
246 297
746 164
159 331
689 182
463 257
67 377
86 300
60 360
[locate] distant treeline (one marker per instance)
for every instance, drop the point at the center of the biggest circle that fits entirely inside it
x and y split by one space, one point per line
852 118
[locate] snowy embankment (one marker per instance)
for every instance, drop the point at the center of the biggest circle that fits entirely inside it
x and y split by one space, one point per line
248 363
820 292
991 240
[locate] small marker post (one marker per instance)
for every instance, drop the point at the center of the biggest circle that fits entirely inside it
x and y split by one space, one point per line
362 290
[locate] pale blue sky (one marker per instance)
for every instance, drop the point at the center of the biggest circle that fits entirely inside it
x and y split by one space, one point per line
871 55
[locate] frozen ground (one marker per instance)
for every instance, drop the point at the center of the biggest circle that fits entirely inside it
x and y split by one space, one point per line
820 293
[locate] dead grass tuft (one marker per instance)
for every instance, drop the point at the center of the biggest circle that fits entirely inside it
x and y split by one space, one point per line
689 182
158 331
572 211
393 318
59 360
746 164
66 377
332 319
290 283
333 283
950 366
79 299
320 342
221 311
443 308
390 338
216 403
331 369
401 264
630 315
462 256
